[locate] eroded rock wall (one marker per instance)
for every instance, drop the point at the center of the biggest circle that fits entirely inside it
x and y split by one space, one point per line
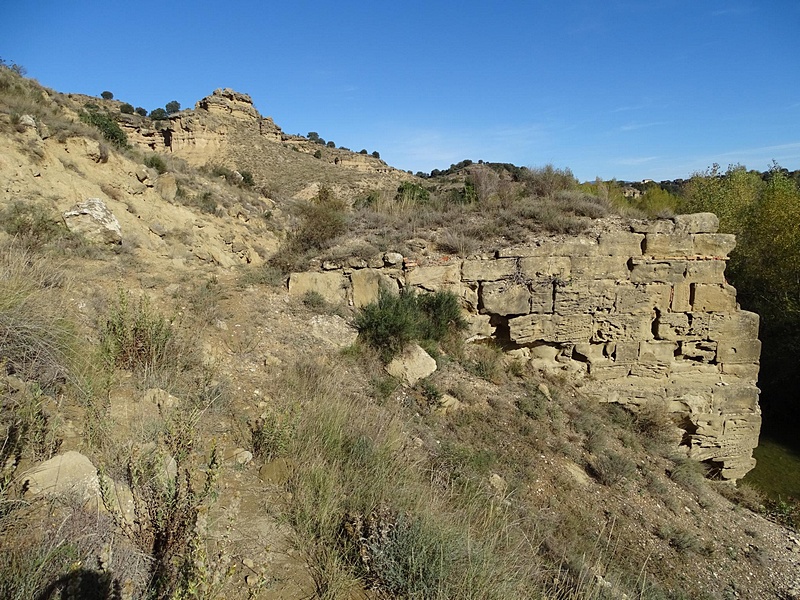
639 313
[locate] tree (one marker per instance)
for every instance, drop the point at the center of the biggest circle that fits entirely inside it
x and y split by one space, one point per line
331 144
173 107
313 136
158 114
363 151
126 108
376 154
107 95
142 112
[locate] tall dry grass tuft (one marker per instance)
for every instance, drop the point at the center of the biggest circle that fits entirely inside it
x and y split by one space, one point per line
37 340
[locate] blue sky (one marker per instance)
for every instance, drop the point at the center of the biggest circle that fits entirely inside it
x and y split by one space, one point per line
630 89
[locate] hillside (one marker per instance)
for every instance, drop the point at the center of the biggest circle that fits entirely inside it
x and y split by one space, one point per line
178 422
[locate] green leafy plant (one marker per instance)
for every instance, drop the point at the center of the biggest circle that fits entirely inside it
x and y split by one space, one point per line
394 320
126 109
154 161
136 337
108 127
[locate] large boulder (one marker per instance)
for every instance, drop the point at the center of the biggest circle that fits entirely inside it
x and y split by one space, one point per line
67 474
411 365
93 220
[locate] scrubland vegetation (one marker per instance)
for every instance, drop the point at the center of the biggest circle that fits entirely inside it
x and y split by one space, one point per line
523 490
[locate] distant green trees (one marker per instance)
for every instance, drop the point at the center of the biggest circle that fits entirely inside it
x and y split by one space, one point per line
158 114
126 109
763 210
173 107
107 95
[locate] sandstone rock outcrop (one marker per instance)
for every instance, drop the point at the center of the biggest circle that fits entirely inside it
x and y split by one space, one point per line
94 221
640 314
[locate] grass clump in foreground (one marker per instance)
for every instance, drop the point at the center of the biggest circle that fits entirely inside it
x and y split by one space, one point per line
369 517
395 320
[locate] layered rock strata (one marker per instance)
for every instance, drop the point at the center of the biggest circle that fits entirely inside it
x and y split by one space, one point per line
639 313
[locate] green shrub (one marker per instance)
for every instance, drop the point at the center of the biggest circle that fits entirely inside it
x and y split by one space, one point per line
154 161
141 111
32 225
135 337
107 95
173 107
126 108
395 320
412 193
108 127
318 154
158 114
247 178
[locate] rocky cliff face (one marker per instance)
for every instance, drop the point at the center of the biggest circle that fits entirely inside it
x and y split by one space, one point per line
225 128
639 312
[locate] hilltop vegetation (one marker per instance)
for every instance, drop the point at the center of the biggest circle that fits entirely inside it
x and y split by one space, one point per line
251 445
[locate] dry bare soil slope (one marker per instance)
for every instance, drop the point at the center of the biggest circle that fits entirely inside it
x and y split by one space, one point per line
175 425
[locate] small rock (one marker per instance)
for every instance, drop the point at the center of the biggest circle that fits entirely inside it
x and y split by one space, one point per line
393 258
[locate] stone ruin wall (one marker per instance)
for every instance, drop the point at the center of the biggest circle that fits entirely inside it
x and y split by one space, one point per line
639 314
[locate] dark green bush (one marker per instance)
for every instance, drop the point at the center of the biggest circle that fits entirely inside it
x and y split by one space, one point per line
173 107
141 111
395 320
158 114
126 108
107 95
154 161
108 127
412 193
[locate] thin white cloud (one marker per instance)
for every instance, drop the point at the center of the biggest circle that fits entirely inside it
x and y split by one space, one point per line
637 126
635 161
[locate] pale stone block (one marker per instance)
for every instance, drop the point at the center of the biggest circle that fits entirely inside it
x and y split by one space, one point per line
737 398
478 326
681 297
702 350
488 270
696 223
738 351
657 226
621 328
580 297
665 246
435 278
620 243
600 267
706 271
712 298
626 352
743 371
739 324
682 326
652 370
645 271
546 266
505 298
657 351
642 298
606 372
529 329
367 284
542 296
329 285
411 365
576 246
718 245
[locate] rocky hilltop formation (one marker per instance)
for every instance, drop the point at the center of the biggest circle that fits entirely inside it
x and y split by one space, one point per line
225 129
639 313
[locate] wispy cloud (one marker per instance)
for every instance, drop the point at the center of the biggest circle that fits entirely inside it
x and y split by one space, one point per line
636 126
635 161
